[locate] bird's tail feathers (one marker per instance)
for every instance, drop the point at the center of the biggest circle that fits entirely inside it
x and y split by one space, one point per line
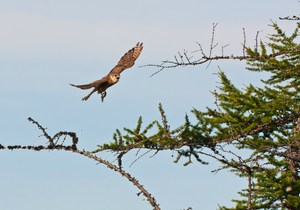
83 87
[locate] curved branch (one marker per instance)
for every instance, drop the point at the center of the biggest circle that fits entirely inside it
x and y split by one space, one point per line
130 178
53 145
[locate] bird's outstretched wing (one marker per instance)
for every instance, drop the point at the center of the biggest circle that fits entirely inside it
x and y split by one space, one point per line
128 59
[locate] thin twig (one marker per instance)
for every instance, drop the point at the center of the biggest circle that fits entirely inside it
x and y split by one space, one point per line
256 40
244 43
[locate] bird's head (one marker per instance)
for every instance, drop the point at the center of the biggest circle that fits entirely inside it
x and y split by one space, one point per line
114 78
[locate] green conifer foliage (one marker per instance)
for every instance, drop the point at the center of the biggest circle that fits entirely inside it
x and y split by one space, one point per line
276 183
254 131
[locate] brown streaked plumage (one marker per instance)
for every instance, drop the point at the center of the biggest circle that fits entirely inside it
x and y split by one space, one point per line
126 61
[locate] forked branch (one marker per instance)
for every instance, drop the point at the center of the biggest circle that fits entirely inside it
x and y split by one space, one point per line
53 145
189 59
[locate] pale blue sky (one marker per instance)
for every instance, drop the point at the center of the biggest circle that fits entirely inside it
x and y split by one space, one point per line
45 45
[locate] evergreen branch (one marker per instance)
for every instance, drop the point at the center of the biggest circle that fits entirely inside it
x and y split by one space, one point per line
233 164
292 156
184 137
264 127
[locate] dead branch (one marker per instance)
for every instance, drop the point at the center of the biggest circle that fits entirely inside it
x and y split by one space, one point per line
167 64
244 43
187 59
294 17
73 148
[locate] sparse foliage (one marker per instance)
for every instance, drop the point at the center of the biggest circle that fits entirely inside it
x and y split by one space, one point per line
54 144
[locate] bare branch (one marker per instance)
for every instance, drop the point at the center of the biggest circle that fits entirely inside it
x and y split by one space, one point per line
294 17
223 47
212 44
244 43
256 40
73 148
186 59
42 129
168 64
139 157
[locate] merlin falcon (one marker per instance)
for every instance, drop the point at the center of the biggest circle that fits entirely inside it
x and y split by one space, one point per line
126 61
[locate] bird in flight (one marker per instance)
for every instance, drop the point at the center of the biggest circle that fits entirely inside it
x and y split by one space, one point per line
126 61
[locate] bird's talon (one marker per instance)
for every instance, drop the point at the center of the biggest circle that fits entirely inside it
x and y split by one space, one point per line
103 94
